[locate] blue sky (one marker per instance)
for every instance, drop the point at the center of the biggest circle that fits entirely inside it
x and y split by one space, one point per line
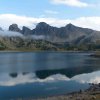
84 13
38 8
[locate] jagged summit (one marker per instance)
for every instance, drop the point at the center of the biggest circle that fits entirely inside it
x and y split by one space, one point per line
71 27
14 27
42 25
26 31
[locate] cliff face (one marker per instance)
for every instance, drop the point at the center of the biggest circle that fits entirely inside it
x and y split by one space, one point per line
14 28
26 31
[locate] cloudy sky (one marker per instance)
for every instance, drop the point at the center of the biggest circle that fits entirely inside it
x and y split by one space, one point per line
84 13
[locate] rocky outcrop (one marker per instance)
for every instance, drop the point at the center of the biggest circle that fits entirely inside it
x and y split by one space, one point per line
14 27
44 29
26 31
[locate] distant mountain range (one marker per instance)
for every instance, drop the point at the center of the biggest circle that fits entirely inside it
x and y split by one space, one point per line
69 34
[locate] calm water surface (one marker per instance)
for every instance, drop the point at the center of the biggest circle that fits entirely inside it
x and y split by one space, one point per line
39 74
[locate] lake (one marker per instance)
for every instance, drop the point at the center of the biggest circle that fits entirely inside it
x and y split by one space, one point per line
41 74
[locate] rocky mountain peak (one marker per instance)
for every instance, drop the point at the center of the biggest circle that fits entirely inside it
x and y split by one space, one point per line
42 25
14 27
26 31
70 26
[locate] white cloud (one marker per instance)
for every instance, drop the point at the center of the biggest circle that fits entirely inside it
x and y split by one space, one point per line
9 34
8 19
86 22
75 3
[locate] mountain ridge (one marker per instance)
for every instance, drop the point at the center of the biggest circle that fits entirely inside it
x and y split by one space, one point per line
68 33
44 34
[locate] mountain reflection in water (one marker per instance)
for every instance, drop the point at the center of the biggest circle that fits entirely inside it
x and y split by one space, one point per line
13 79
42 75
30 74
